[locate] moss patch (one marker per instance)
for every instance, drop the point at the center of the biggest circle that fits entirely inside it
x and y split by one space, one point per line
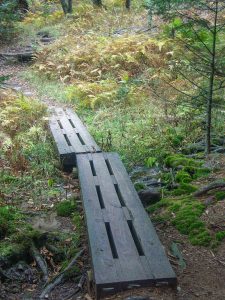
184 213
65 208
16 235
184 189
10 218
139 186
220 235
220 195
183 177
176 160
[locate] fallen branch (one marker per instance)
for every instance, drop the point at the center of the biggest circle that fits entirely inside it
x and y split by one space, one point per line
72 294
58 279
221 262
209 187
40 262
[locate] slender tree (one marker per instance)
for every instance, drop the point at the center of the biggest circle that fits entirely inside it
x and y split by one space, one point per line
198 28
127 4
97 3
67 6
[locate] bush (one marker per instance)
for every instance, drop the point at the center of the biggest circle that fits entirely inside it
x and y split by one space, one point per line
8 16
220 195
65 208
220 235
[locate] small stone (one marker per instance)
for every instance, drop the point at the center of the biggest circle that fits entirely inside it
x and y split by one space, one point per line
179 289
20 267
149 197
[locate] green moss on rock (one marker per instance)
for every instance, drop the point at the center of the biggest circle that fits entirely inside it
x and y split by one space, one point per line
184 189
183 177
176 160
11 252
10 218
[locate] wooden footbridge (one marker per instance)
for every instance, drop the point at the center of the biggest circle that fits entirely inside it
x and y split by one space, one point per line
125 249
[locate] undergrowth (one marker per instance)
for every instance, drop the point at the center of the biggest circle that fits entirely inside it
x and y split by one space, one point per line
28 159
30 181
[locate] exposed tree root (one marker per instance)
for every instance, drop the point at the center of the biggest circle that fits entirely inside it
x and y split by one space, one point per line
211 186
59 278
40 262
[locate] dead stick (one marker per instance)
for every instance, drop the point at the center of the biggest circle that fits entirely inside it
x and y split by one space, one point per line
40 262
209 187
57 280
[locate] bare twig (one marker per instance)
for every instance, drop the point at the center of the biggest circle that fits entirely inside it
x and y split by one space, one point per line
58 279
209 187
40 262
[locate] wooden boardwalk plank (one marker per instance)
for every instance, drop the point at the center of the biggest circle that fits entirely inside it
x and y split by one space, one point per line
103 262
120 232
150 242
66 153
71 136
123 240
81 128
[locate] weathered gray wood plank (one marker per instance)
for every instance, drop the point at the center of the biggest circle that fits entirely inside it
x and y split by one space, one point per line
152 246
66 153
82 130
71 136
120 231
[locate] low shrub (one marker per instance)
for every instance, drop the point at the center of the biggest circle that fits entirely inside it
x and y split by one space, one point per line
65 208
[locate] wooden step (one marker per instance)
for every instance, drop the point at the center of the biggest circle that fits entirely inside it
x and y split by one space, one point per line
71 136
125 249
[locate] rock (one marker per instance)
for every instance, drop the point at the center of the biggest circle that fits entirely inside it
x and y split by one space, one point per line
149 197
43 34
47 40
151 182
137 298
179 289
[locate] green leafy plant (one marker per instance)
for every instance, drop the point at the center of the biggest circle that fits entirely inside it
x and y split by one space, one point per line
220 195
65 208
8 16
151 162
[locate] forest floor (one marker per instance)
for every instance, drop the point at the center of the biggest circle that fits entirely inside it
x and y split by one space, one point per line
203 276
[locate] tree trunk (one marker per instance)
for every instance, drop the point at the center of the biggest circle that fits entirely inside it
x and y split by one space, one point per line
64 6
23 6
211 84
127 3
70 6
97 2
67 6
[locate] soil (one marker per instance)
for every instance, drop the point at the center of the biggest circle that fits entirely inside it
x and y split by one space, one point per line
203 277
